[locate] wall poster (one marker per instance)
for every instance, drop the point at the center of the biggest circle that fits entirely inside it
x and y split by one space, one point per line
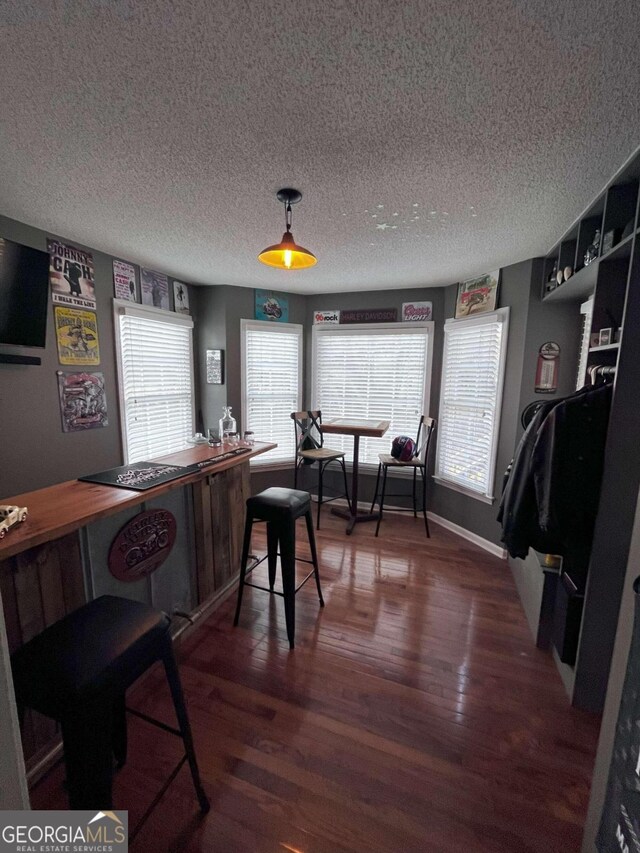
154 287
124 281
83 401
369 315
76 336
414 312
478 295
71 276
272 306
326 318
180 297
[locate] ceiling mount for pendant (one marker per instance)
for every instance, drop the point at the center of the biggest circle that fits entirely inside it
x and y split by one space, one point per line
287 254
289 195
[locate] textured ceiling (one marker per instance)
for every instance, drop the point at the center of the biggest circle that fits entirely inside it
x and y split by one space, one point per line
432 140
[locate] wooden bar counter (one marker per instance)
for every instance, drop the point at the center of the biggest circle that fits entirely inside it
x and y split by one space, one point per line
57 559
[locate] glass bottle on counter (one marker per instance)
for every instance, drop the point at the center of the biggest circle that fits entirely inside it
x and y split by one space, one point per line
228 427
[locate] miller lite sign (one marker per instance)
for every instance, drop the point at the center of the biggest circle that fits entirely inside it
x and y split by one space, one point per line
326 318
415 311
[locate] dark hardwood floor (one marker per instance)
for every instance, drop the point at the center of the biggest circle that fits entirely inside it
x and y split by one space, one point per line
415 714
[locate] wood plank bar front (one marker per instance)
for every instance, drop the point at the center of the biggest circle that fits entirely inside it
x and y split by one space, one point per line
42 576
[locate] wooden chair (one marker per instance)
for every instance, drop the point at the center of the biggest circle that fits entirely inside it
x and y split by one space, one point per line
418 462
310 449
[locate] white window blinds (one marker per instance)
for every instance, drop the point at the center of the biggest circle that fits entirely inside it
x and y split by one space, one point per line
272 384
156 380
470 401
372 372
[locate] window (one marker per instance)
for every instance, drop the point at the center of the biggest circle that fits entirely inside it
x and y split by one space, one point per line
271 384
155 358
373 371
470 402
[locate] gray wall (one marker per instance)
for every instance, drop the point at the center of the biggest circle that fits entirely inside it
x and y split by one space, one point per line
531 323
559 322
36 451
30 425
468 512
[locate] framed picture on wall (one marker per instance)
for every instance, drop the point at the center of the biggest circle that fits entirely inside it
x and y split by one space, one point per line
272 306
154 288
478 295
215 367
180 297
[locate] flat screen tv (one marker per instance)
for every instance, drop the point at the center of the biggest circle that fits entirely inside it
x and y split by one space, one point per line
24 295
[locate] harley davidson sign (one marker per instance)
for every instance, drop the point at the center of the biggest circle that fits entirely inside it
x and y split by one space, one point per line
142 545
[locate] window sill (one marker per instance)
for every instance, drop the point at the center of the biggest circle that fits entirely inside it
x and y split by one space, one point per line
486 499
280 465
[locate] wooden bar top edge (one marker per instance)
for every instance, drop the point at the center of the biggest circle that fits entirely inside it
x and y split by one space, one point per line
62 508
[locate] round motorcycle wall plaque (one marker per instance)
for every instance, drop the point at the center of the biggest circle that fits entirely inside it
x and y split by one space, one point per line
142 545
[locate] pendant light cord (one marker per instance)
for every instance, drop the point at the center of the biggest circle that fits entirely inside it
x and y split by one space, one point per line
287 215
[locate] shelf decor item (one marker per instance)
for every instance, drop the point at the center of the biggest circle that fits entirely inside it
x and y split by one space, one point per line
478 295
608 241
628 228
606 337
592 250
568 272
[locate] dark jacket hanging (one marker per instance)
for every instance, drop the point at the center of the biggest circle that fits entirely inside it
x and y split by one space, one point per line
568 460
518 511
551 497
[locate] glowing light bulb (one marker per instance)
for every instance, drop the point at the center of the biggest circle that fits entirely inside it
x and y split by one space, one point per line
287 258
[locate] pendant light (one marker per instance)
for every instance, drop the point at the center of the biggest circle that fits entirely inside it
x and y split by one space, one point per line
286 254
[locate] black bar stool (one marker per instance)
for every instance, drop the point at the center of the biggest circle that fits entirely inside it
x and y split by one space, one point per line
77 671
280 508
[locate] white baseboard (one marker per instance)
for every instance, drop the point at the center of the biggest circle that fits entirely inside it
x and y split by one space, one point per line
491 547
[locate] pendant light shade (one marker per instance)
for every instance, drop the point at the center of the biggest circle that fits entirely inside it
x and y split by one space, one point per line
286 254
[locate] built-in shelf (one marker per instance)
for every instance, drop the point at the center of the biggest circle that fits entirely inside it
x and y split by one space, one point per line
583 282
605 347
579 286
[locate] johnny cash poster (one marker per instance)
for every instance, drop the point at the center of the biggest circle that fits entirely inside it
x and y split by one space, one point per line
71 276
124 280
